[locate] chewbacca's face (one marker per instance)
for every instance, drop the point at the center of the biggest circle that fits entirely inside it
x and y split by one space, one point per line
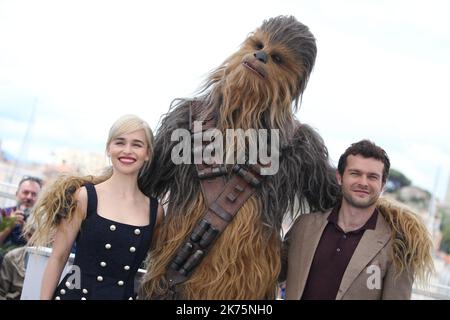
259 83
267 64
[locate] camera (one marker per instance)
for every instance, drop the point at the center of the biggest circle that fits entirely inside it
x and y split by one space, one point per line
26 213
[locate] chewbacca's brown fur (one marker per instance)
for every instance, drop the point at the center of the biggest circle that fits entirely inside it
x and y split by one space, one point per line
412 245
246 266
57 201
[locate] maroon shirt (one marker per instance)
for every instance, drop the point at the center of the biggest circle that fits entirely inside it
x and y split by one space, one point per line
333 253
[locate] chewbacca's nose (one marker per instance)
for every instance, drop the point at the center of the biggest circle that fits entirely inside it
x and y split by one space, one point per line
261 56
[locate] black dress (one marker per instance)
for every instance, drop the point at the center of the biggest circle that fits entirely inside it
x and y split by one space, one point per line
108 255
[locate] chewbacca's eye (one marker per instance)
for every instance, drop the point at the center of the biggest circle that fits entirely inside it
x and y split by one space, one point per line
276 58
259 46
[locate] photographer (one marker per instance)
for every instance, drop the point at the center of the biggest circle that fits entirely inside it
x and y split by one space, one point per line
26 195
12 270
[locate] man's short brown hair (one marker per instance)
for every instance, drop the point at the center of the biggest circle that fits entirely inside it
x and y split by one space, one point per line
367 149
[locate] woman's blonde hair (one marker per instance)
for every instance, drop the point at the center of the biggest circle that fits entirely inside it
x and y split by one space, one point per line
58 199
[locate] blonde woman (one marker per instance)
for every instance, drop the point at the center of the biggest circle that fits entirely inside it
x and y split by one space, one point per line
111 221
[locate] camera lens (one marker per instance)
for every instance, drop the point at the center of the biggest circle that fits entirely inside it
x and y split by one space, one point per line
26 212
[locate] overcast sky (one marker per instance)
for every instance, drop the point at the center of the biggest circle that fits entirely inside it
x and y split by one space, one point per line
382 71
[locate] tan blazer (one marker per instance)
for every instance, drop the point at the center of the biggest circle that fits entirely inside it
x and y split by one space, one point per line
370 274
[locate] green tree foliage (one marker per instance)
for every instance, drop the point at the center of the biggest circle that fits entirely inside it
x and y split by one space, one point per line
6 222
396 181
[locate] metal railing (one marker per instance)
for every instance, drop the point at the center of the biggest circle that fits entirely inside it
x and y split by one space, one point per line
432 291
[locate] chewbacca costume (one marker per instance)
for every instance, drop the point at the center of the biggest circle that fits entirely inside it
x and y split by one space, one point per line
253 89
258 87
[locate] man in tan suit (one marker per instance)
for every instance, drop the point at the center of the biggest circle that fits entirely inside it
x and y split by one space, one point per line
347 252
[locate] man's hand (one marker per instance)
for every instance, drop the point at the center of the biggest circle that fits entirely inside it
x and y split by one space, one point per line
8 224
19 217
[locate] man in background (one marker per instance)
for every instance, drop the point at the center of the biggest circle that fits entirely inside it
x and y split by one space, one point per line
26 195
